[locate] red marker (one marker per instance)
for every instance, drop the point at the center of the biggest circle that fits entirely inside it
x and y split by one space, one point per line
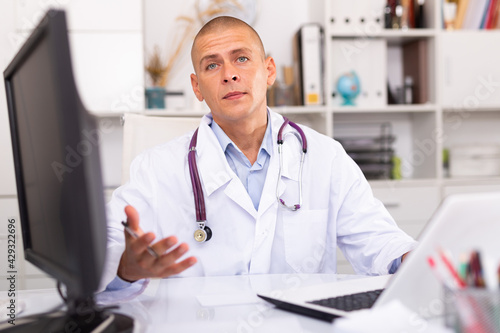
451 269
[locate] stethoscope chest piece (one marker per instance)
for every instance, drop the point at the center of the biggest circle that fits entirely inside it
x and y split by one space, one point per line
203 233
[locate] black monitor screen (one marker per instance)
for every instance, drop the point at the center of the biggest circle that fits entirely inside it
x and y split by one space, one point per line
58 177
40 140
57 167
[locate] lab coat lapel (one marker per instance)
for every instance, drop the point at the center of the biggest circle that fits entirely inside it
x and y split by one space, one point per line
214 170
289 151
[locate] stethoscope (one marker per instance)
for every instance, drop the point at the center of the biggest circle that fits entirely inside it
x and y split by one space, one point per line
204 233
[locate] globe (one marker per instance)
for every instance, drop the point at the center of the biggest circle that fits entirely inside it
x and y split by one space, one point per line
348 87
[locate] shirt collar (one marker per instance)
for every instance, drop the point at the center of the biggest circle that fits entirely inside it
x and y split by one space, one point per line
225 141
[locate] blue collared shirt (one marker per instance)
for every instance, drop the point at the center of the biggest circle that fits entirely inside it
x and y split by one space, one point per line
252 176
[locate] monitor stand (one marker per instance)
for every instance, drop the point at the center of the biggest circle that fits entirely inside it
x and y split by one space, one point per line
85 317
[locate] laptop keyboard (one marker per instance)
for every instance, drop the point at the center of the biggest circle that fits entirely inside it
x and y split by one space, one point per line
352 302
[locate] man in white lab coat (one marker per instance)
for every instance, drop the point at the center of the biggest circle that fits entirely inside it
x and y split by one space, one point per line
238 163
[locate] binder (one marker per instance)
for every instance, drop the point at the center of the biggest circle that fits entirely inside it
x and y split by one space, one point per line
309 42
368 59
357 16
415 64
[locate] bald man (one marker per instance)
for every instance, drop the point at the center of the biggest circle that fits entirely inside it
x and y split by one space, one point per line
244 186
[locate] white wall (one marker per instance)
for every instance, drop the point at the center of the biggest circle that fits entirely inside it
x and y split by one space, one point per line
106 41
106 46
276 21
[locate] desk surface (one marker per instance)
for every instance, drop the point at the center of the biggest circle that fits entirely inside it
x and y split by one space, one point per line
205 304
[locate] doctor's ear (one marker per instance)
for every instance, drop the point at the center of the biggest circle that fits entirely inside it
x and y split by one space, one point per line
271 71
196 87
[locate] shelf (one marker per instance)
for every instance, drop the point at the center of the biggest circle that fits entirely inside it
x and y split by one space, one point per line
471 31
400 183
398 108
476 109
299 109
174 113
387 33
393 37
107 114
188 113
472 181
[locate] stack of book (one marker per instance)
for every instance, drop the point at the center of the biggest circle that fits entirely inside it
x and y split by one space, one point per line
471 14
373 154
404 14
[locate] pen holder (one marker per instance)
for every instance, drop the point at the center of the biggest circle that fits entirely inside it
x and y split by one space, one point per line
472 310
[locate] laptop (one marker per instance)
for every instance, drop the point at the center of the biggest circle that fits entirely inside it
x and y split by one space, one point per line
463 222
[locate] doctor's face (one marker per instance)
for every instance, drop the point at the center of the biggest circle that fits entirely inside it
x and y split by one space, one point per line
232 74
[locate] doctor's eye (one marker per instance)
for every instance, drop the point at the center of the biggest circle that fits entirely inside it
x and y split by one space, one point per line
242 59
211 66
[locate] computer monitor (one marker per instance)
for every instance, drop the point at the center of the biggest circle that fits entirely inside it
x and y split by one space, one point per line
59 185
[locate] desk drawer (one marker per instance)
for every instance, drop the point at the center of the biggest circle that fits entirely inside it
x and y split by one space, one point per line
479 188
409 204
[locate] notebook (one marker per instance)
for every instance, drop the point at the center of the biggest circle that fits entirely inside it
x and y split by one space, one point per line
463 222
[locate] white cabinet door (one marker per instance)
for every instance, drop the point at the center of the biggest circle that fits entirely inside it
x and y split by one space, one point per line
411 207
470 188
471 71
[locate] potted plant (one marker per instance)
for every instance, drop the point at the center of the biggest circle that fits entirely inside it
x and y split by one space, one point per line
155 67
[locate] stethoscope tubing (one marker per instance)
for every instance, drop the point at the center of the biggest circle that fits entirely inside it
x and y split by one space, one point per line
199 200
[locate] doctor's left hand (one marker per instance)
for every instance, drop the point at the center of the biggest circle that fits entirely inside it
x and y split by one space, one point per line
137 263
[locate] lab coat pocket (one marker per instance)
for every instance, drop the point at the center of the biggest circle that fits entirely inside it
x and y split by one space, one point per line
304 237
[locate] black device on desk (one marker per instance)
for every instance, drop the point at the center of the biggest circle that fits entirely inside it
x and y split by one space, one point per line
58 177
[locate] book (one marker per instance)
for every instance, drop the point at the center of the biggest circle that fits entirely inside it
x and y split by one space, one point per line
496 17
485 14
462 9
419 14
475 12
490 15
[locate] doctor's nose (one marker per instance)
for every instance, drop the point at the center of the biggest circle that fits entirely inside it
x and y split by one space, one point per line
233 78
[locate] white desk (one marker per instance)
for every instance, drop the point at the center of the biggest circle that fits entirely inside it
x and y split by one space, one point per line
207 304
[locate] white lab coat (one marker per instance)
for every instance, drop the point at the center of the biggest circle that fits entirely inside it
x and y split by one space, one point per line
338 209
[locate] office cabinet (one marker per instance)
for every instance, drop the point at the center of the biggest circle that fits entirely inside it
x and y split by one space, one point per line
471 75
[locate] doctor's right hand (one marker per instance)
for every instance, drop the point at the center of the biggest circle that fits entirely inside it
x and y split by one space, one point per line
137 263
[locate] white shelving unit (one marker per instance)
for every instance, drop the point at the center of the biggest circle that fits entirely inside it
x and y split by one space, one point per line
422 130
